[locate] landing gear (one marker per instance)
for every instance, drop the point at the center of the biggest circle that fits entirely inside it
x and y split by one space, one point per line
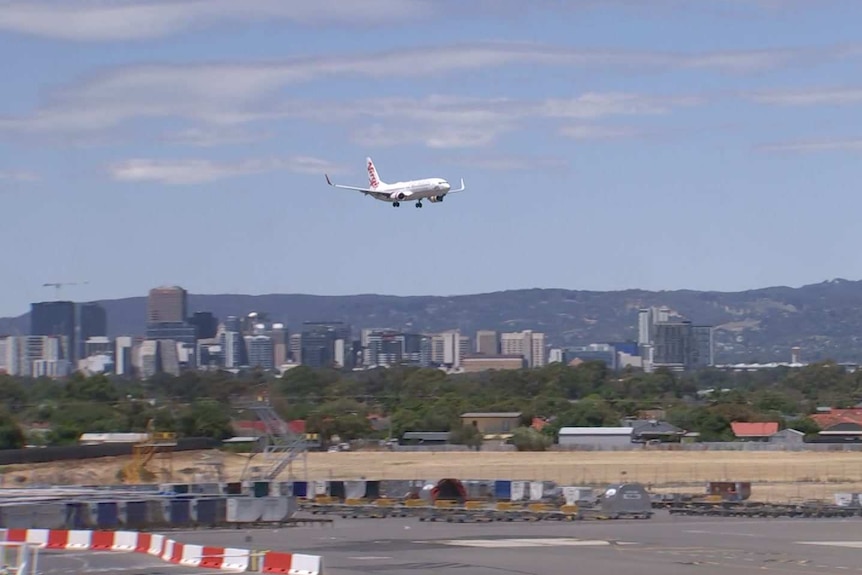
395 204
418 204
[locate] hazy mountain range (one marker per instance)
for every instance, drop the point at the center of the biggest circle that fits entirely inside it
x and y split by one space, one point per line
825 319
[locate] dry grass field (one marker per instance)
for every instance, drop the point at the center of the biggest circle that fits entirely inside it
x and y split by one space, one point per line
775 476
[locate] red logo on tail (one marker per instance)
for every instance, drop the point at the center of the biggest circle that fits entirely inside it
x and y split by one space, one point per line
372 177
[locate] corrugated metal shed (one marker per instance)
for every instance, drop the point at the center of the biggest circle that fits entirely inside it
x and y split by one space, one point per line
595 436
492 414
595 431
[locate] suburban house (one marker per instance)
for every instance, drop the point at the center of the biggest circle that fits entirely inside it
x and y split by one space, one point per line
754 431
492 422
788 437
833 416
840 432
838 425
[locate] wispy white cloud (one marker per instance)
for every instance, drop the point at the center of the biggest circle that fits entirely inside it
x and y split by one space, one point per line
197 171
208 137
449 122
810 97
226 94
599 132
18 176
508 163
112 21
108 20
846 145
219 99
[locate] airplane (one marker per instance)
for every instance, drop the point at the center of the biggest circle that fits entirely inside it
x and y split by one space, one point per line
432 189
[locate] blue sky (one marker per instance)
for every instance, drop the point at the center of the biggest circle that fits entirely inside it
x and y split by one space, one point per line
704 144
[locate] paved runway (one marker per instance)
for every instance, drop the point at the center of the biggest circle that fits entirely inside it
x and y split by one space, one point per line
88 562
661 546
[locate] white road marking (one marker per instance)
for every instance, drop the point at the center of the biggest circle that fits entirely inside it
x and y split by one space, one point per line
513 543
851 544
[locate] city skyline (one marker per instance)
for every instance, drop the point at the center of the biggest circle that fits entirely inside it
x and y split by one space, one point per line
693 133
65 337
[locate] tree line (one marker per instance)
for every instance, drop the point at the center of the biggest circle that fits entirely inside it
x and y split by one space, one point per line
385 403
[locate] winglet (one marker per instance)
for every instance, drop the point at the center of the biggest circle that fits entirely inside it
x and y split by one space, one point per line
461 189
328 181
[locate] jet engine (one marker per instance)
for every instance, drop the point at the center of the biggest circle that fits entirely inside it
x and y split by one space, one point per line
397 195
435 199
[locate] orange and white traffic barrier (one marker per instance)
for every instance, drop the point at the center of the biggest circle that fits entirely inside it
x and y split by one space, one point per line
156 545
291 563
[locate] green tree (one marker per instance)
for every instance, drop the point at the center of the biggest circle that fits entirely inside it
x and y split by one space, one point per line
96 388
528 439
11 434
468 435
206 418
804 424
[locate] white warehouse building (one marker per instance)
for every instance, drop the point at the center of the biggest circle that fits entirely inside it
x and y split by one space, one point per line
595 436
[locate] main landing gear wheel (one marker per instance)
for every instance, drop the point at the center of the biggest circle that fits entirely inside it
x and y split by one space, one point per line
395 204
418 204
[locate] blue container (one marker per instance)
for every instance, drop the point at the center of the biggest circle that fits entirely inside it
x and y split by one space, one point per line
107 514
206 511
180 512
300 488
136 514
502 490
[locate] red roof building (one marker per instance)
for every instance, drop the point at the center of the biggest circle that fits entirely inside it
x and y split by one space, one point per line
754 430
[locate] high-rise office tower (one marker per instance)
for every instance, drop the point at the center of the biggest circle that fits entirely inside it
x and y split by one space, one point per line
92 322
56 318
205 323
167 304
280 344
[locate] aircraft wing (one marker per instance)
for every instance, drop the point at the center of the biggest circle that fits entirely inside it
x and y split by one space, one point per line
375 193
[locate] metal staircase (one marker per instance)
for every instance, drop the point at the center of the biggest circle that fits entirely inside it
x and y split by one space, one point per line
281 446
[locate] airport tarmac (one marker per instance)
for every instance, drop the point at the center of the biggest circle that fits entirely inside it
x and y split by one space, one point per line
662 546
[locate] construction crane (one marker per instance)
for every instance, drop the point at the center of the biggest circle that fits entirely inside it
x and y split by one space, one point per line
143 452
59 285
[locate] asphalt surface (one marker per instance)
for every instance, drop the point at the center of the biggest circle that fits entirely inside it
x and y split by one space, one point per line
662 546
85 563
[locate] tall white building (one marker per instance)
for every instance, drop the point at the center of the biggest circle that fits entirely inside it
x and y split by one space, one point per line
8 355
34 356
528 344
448 347
169 354
123 355
231 344
295 347
645 323
148 358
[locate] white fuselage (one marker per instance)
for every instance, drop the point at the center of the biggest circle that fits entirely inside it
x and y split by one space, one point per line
428 188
